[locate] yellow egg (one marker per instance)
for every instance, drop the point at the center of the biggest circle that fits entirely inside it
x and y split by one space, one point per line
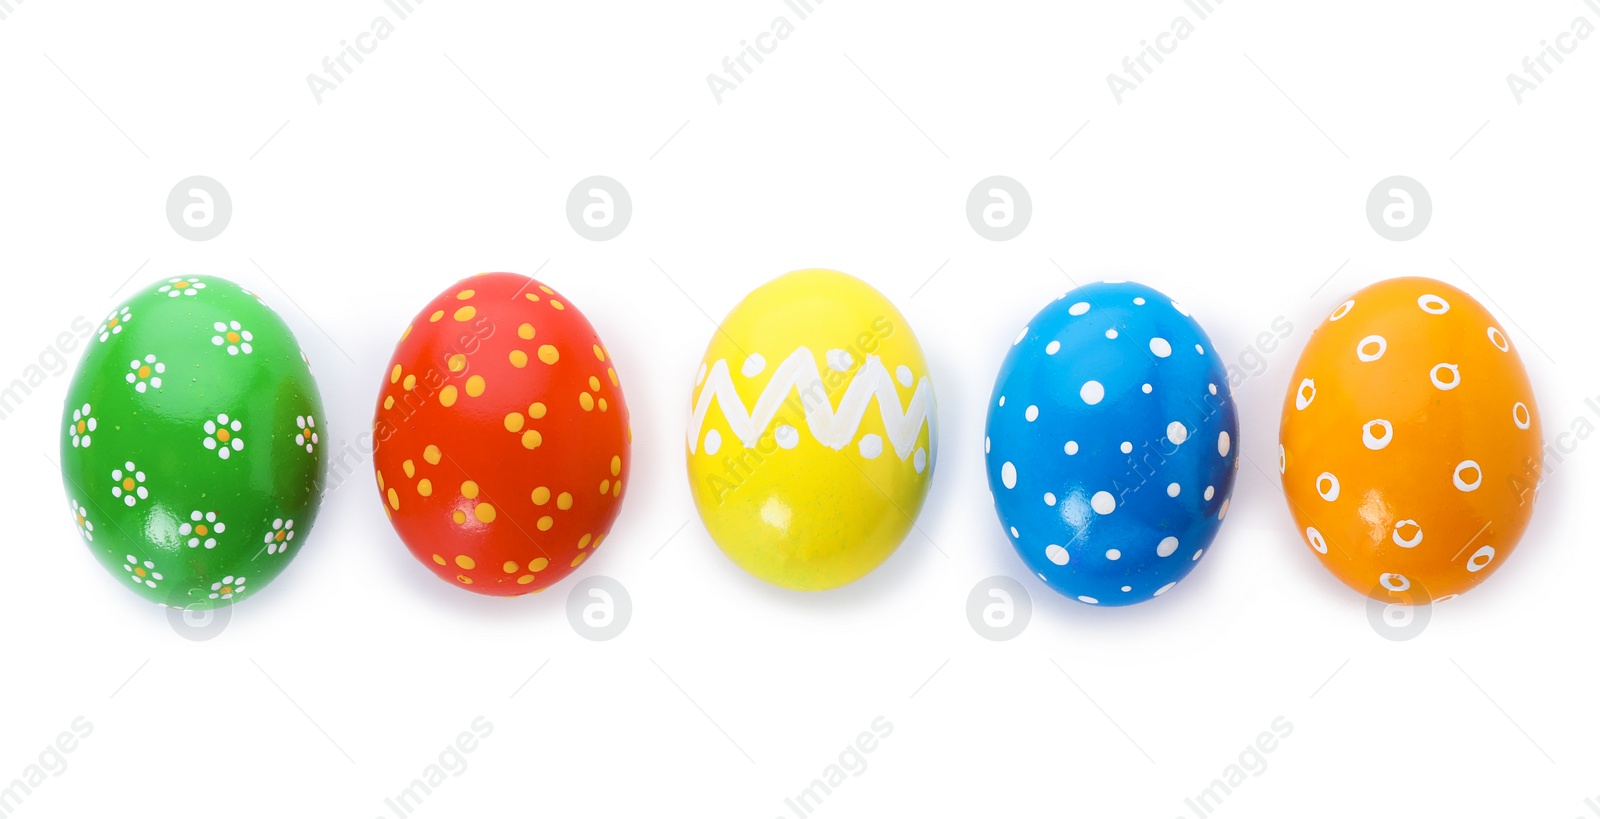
812 431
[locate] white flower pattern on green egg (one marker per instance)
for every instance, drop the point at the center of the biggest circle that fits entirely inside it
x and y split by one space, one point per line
306 431
83 423
185 286
146 373
222 436
152 437
114 322
202 528
227 587
142 571
233 336
127 484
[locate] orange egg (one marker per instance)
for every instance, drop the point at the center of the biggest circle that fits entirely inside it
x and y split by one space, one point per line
1410 442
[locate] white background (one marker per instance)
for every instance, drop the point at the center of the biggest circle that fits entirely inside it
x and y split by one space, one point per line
338 684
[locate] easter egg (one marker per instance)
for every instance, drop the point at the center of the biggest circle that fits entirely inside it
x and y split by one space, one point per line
501 438
192 445
1111 444
811 431
1410 442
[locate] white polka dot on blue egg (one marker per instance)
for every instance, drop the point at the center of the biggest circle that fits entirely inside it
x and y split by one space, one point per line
1111 444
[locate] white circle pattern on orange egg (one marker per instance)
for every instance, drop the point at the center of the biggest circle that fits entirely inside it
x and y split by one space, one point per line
1394 484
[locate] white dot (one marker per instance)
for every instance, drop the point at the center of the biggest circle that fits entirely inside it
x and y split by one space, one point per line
1223 511
986 445
1316 540
1092 392
871 446
1014 532
1210 491
1052 348
902 374
1002 400
1112 333
787 436
1087 599
1146 389
1167 546
1138 300
753 365
1199 349
1020 336
1197 554
713 441
1406 543
1057 555
1049 499
1224 443
1008 475
1376 442
1103 503
1480 559
1079 309
840 361
1177 433
1032 413
1443 384
1127 447
1113 554
1160 347
1173 490
1179 308
1071 448
1213 388
1165 589
1305 394
919 459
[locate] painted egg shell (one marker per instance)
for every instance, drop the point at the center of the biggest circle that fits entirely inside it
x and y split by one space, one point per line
192 443
1112 443
1410 442
501 436
811 433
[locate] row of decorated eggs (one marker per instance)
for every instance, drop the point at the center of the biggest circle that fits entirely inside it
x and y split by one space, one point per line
1409 441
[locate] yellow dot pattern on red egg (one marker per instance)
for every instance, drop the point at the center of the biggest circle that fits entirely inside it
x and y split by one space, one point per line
497 433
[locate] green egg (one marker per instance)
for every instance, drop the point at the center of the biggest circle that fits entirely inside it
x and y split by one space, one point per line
193 443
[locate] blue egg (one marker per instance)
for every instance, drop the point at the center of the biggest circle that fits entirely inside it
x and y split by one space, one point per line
1112 443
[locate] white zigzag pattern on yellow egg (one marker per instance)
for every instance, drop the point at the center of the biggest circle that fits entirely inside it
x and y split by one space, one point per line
832 428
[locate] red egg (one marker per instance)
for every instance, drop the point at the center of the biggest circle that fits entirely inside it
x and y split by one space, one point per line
501 436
